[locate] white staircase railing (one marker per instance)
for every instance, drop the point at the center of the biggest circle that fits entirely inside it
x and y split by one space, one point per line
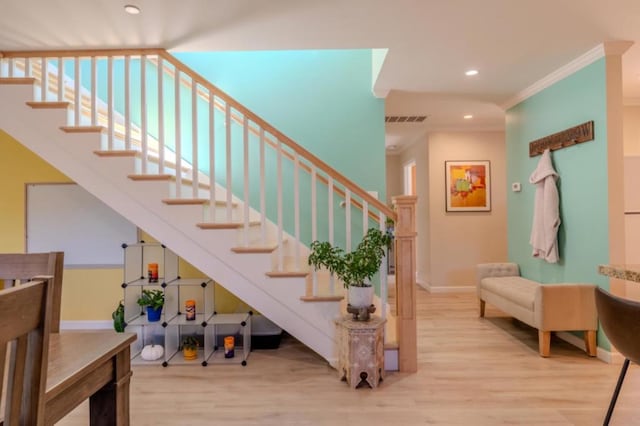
213 147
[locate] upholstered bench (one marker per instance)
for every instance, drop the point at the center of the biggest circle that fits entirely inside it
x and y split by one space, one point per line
547 307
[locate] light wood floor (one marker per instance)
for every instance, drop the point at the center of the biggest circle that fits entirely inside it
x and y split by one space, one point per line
471 372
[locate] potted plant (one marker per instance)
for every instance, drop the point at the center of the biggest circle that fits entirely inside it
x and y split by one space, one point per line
354 269
154 301
190 347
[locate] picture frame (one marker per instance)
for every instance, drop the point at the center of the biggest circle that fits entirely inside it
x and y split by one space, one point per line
468 186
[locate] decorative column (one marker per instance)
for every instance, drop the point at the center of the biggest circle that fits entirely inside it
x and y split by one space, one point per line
405 252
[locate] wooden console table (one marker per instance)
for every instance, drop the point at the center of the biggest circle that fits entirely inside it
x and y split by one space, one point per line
361 346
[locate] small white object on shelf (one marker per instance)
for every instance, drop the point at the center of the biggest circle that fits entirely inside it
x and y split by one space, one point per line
152 352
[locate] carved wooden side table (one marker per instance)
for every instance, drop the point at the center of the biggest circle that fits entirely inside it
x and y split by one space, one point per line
361 351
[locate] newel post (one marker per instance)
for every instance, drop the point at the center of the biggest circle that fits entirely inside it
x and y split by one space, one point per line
405 252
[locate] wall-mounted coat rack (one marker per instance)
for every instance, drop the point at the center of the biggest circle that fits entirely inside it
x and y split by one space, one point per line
572 136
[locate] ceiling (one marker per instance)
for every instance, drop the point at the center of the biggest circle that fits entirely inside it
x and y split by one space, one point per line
431 43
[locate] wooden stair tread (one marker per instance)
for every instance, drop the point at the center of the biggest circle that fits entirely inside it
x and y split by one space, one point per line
149 177
287 274
185 201
83 129
49 105
17 80
321 298
117 153
245 250
225 225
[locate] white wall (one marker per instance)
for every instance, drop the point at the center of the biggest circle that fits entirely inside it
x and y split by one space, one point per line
394 177
631 130
631 141
450 244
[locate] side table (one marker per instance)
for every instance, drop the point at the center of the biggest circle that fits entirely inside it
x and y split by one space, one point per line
361 351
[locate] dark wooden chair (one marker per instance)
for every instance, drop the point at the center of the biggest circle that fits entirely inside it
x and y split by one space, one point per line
18 268
620 320
25 324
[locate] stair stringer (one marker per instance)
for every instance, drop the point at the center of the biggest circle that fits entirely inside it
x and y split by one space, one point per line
242 274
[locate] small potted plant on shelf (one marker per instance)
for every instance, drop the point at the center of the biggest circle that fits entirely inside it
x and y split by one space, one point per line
190 347
354 269
154 301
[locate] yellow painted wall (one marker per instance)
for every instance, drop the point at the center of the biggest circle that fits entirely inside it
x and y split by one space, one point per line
87 294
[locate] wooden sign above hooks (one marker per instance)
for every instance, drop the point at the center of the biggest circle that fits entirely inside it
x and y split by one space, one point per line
575 135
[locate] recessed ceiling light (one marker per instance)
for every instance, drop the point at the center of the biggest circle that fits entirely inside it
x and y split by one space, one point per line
468 117
470 73
132 9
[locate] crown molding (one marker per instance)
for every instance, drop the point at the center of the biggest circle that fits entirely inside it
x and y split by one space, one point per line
604 49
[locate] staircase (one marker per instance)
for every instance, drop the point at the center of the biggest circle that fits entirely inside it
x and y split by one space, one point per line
155 170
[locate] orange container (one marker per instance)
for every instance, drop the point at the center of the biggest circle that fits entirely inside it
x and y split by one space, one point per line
190 310
229 345
153 272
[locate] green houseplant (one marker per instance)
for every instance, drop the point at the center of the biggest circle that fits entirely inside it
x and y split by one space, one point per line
154 301
356 268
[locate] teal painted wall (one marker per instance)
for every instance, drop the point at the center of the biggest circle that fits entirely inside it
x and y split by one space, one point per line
320 99
583 184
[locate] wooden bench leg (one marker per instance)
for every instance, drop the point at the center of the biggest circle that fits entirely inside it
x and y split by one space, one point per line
544 343
482 303
590 342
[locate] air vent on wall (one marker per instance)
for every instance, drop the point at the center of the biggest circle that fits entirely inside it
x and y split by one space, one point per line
404 118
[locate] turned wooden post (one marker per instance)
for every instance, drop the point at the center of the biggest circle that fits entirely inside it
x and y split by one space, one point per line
405 252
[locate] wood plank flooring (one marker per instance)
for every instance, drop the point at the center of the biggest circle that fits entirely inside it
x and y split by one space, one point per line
472 371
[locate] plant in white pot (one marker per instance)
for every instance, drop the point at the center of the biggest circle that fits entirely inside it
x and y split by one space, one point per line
355 269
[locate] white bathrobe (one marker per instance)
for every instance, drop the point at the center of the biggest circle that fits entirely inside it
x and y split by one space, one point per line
546 215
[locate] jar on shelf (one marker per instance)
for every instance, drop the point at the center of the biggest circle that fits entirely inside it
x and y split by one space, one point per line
190 310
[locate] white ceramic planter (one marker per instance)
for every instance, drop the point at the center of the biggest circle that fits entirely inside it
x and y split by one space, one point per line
360 297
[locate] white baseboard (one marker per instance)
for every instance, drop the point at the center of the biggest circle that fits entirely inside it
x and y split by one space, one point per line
391 360
602 354
449 289
86 325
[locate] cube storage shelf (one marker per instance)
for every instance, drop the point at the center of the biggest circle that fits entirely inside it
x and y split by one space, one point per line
208 327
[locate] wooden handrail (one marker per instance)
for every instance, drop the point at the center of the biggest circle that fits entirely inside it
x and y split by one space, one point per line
180 66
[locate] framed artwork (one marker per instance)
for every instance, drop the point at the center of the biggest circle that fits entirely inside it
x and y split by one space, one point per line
468 186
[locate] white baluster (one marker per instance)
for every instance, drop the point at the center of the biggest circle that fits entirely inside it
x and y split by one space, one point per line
314 225
195 183
94 92
178 136
245 140
60 79
347 206
296 207
263 198
383 274
44 79
280 230
143 114
365 217
127 102
330 229
76 76
27 67
227 127
110 102
11 67
212 158
160 116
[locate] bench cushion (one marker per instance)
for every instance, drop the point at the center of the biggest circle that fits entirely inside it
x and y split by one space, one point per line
520 291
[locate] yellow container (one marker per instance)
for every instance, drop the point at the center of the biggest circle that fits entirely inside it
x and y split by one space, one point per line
229 346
